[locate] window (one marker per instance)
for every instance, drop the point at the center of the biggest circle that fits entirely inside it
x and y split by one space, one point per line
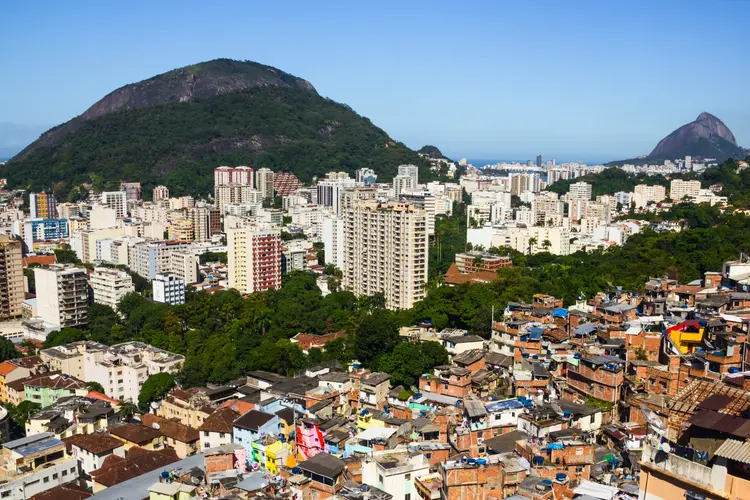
46 479
408 478
206 445
380 479
64 473
55 476
592 418
72 470
5 494
407 496
221 435
205 433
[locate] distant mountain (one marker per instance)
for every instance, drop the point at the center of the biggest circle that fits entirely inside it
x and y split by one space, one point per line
176 127
706 137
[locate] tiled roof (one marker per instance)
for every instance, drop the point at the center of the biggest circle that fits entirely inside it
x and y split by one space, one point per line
137 462
6 367
220 421
67 491
171 429
96 443
135 433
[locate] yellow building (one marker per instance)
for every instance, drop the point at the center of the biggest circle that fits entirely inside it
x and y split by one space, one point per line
366 419
687 336
181 230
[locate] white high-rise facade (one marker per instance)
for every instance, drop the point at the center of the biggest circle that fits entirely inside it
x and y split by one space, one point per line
580 190
410 171
386 251
333 240
402 183
679 189
264 182
118 201
62 295
110 286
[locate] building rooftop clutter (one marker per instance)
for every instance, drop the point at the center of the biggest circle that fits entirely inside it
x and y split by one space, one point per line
324 464
31 445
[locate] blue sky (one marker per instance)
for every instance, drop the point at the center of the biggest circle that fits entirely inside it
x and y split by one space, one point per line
582 80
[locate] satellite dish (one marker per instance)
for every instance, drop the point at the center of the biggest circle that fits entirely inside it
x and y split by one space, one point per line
155 405
653 420
665 447
156 426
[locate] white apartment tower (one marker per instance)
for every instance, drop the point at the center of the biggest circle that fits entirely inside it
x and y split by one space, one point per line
168 289
333 240
110 286
411 171
254 259
402 183
679 189
160 193
386 252
264 182
117 200
580 190
62 295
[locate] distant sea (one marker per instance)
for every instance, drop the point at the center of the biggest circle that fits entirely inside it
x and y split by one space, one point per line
480 162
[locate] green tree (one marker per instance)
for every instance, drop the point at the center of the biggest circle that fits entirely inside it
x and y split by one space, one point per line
376 335
95 387
155 388
8 350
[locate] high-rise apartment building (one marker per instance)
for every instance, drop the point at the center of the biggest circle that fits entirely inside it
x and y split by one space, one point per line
132 190
254 259
402 183
366 176
117 200
285 183
11 277
110 286
206 222
539 161
264 182
688 163
386 252
331 189
149 258
184 265
679 189
525 182
580 190
62 295
410 171
643 194
168 289
236 193
43 206
242 175
160 193
333 240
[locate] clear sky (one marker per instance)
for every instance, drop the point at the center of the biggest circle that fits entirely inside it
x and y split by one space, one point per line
581 80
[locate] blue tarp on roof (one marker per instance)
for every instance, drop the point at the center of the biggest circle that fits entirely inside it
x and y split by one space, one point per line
585 329
560 312
535 333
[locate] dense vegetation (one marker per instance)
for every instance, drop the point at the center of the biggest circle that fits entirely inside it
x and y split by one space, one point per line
734 180
179 144
610 181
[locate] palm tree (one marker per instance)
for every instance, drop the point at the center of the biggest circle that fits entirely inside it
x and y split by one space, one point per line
532 243
262 320
128 409
546 244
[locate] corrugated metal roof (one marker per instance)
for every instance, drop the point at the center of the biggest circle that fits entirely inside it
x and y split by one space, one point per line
734 450
715 402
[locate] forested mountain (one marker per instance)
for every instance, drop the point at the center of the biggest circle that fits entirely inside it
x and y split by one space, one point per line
176 127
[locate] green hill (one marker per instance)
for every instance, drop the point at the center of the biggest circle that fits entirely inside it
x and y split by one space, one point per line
175 128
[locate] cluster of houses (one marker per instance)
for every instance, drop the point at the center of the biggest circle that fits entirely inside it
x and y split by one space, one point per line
626 395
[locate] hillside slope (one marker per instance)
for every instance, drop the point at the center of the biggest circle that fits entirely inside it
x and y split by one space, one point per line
176 127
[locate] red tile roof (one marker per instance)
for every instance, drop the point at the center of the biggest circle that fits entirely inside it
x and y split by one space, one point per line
454 277
137 462
306 340
220 421
171 429
67 491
